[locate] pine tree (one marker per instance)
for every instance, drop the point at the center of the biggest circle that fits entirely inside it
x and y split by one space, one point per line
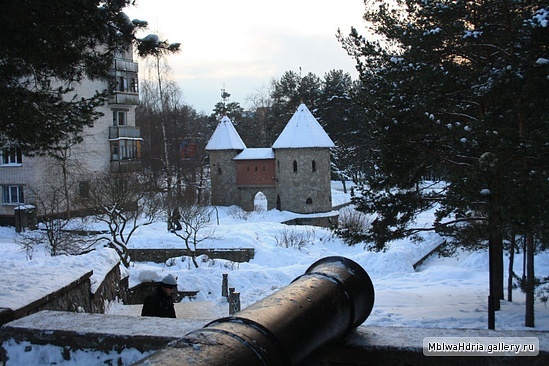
455 93
48 47
340 115
288 93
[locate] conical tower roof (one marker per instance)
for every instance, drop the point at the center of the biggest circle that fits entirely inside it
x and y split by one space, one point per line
225 137
303 131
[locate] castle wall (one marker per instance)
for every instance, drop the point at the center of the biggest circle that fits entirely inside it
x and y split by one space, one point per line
247 196
304 179
260 172
223 178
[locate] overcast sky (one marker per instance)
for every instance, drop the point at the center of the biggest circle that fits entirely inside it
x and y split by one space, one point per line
243 44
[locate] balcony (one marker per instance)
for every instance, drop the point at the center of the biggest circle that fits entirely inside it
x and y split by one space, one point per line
125 143
124 98
116 132
126 65
124 84
125 166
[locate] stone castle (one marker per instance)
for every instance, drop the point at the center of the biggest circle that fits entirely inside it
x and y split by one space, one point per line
293 174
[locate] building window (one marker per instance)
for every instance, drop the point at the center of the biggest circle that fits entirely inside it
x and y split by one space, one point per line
11 156
84 189
134 86
314 166
218 170
309 201
295 166
126 82
119 118
12 195
122 84
125 149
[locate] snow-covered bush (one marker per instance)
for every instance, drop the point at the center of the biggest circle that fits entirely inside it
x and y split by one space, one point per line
294 237
238 213
352 224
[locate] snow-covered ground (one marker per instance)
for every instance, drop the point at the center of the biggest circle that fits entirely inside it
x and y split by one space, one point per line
443 293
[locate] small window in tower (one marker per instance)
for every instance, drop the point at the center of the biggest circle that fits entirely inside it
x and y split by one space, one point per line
256 169
314 166
218 170
309 201
295 166
247 168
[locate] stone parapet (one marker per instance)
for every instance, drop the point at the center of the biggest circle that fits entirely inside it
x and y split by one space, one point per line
366 345
162 255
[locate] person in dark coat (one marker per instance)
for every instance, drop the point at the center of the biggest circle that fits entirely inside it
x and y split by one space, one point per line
175 224
160 303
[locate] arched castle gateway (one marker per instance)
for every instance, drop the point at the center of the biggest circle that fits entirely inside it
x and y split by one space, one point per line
293 174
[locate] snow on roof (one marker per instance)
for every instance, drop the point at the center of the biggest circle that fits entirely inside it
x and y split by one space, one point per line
303 130
256 154
225 137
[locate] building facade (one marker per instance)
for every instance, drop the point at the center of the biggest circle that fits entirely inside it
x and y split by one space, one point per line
293 174
112 144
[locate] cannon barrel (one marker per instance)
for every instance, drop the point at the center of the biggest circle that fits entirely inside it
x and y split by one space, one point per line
333 296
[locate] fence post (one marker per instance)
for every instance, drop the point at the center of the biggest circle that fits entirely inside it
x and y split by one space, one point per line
234 302
231 290
225 285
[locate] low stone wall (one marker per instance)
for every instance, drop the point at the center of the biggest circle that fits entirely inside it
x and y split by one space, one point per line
428 255
96 331
75 297
404 346
364 346
239 255
113 287
322 221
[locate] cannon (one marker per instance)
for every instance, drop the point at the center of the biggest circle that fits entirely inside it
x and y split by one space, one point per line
332 297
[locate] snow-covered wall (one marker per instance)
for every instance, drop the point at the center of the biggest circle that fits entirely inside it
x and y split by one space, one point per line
238 255
66 283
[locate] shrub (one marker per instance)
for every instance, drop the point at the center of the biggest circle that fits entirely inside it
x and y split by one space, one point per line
292 237
352 225
238 213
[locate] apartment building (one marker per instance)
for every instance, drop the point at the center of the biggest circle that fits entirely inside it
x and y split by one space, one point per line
112 144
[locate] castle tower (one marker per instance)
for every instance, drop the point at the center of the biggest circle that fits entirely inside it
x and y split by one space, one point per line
302 153
222 147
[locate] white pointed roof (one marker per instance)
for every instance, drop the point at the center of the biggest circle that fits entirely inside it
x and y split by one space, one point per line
225 137
302 131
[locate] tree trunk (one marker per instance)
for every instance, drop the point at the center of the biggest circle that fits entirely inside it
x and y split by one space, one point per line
166 159
496 284
524 259
530 281
495 245
510 272
499 269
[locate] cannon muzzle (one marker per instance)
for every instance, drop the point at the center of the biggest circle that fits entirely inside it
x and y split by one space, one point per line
332 297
